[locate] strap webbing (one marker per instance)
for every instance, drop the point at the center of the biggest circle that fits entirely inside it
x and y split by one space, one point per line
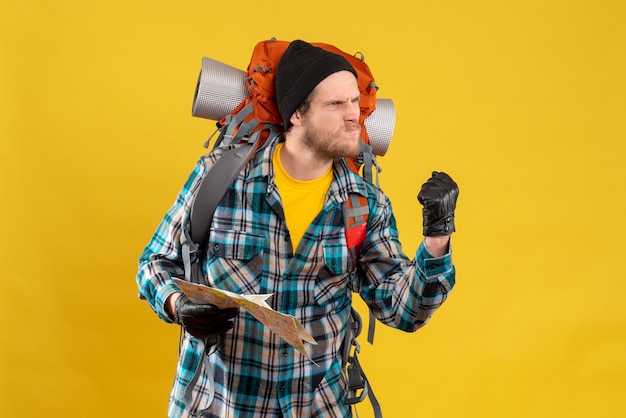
368 160
357 380
236 123
378 413
188 247
203 363
356 210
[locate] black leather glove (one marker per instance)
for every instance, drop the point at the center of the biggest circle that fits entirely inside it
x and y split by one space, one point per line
203 320
438 196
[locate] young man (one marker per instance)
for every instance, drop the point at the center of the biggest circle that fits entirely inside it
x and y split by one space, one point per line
280 230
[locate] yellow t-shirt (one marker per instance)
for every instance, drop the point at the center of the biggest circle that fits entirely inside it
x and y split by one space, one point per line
302 200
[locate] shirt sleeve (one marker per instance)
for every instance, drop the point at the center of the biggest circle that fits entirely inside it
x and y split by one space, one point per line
401 293
161 260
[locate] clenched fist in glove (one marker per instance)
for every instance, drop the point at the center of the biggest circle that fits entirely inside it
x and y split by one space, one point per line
438 196
203 320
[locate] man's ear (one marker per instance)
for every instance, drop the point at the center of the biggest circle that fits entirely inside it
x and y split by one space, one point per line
296 118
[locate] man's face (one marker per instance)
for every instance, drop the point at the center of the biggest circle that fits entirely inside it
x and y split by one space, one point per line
331 126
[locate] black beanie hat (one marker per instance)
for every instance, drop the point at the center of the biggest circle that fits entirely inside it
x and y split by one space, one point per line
301 68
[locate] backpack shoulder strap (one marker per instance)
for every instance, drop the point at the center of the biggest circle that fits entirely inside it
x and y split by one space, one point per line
357 380
355 216
213 188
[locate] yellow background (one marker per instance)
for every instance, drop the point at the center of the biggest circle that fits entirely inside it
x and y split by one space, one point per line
522 102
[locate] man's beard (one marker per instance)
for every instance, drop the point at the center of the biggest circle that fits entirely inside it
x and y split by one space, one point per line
329 145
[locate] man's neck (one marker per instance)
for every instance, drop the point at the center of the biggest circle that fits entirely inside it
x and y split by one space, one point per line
300 163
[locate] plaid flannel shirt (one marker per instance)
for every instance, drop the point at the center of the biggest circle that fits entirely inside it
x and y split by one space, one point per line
252 372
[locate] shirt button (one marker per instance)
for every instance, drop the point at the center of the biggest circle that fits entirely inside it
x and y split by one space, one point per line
216 248
286 238
285 353
282 389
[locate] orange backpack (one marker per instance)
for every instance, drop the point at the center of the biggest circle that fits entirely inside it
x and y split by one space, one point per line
260 84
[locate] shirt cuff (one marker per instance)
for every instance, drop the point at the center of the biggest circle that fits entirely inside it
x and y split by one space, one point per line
433 266
162 294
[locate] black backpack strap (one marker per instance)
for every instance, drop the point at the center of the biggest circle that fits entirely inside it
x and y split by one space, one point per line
353 208
222 174
195 233
357 380
355 214
213 188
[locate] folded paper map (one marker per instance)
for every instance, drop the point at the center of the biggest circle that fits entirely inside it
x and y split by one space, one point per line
286 326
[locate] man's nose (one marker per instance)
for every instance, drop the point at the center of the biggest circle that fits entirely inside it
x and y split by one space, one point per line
353 112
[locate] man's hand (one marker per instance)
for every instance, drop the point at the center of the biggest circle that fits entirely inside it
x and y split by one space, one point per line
202 320
438 196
